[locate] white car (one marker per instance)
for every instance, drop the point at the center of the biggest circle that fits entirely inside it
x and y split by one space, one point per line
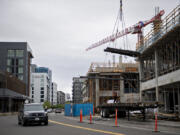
49 110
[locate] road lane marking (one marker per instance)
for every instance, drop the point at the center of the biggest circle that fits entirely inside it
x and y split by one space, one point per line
85 128
126 126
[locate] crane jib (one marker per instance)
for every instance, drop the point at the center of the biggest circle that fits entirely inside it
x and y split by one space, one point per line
133 30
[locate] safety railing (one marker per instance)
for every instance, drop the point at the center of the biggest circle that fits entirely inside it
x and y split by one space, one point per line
167 24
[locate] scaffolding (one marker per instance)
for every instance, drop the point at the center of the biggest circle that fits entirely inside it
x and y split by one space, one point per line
113 67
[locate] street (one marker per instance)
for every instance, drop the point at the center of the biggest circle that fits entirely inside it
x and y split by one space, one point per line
59 124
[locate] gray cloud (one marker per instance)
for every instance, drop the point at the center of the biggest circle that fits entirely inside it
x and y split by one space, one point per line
59 31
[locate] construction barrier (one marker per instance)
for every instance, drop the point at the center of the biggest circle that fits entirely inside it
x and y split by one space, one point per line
74 110
93 111
68 110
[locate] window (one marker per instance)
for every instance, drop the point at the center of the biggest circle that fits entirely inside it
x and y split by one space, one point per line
42 92
11 53
42 96
32 96
32 88
9 69
20 77
12 69
42 100
20 70
32 92
19 53
42 88
9 61
21 62
42 80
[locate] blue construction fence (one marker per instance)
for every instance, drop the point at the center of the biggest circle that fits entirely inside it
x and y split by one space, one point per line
74 110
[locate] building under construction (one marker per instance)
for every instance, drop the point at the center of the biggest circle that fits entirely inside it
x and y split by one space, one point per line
158 54
106 81
160 63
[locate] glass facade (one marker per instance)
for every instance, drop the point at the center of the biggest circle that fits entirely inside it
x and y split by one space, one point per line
41 70
20 70
21 62
9 61
11 53
19 53
15 63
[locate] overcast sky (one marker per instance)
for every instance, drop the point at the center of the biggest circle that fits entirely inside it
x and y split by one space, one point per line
59 31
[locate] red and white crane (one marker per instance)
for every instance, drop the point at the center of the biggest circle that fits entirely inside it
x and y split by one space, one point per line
135 29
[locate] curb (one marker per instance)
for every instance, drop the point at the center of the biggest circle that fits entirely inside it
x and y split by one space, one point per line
8 114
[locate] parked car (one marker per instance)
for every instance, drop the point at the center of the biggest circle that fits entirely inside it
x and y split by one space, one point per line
58 110
32 113
49 110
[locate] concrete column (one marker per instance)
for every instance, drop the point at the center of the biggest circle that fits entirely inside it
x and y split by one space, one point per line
165 101
121 90
156 75
140 77
97 92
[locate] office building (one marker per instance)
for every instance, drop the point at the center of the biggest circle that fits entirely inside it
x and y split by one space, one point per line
60 97
77 90
67 97
41 84
15 61
54 93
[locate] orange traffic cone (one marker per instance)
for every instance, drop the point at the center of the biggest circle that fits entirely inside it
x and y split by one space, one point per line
81 116
156 124
116 119
90 118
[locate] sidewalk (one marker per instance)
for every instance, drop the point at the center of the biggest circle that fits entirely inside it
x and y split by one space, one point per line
8 113
163 126
165 123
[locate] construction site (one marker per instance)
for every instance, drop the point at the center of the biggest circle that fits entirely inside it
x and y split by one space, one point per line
107 82
154 76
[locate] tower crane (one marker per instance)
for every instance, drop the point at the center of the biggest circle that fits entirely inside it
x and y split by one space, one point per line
135 29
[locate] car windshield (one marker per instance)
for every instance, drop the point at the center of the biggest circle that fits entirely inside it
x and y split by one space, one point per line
33 108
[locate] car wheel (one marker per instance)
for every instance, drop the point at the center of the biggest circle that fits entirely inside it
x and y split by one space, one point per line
46 123
23 123
19 123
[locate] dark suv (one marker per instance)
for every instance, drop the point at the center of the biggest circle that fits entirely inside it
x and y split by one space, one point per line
32 113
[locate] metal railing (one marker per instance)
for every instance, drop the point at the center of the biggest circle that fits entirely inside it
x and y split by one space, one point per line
168 23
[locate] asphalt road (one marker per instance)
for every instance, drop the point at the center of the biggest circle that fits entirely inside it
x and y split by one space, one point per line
60 125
